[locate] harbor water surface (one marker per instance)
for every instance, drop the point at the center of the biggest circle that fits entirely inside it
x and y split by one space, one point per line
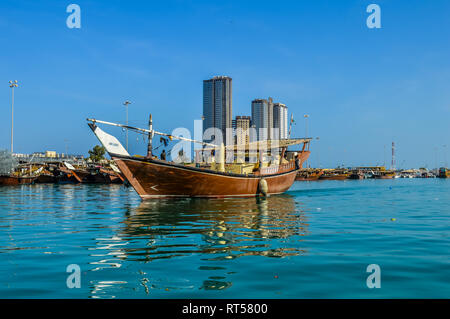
315 241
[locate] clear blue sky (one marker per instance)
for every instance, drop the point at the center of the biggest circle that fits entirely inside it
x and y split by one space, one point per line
363 88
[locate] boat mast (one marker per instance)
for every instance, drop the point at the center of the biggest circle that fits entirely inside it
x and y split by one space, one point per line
290 125
150 138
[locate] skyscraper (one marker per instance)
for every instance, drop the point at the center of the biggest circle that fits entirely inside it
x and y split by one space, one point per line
217 106
260 118
280 120
269 119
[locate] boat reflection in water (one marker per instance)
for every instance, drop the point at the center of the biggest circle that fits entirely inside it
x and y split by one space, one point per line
228 227
209 230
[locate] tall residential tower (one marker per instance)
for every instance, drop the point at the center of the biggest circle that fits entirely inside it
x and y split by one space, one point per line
217 106
269 119
260 118
280 120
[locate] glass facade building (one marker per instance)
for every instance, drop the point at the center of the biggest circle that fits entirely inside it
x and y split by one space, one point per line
269 119
217 106
280 120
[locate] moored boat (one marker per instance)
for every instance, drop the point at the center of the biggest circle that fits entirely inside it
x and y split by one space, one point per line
309 174
157 178
356 175
16 180
384 175
335 175
45 178
67 174
444 172
20 175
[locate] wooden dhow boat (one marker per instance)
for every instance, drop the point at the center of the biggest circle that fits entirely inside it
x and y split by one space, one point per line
156 178
309 174
384 175
335 175
16 180
356 174
444 172
22 175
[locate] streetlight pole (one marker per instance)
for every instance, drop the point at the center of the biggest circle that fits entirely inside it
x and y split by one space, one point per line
126 107
306 124
318 157
12 85
436 158
445 156
67 150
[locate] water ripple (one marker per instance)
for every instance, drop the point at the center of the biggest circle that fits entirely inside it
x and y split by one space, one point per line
314 241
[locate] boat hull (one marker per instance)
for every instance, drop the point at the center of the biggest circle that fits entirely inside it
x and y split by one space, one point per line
356 176
303 176
159 179
45 179
14 180
444 173
334 177
383 176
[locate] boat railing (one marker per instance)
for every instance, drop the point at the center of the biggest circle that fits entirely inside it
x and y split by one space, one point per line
277 169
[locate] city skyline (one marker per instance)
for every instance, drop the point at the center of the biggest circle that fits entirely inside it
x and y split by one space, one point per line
268 119
362 88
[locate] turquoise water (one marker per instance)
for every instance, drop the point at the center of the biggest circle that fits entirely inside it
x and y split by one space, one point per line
315 241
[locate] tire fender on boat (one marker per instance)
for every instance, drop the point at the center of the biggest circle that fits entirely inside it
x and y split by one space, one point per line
263 188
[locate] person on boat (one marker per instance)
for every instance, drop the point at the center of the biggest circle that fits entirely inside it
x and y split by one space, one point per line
163 155
297 161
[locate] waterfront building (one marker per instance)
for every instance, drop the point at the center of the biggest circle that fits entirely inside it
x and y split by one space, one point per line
47 156
51 154
280 120
269 119
217 106
260 118
241 127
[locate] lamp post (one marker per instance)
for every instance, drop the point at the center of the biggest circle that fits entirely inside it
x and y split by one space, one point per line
126 103
66 141
306 116
318 158
12 85
445 156
436 159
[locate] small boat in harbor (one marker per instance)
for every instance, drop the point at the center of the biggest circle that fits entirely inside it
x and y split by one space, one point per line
21 175
384 175
46 177
357 174
66 173
309 174
102 175
157 178
335 175
12 179
444 172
